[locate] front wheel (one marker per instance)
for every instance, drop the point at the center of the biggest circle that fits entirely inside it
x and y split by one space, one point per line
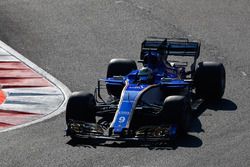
81 107
177 110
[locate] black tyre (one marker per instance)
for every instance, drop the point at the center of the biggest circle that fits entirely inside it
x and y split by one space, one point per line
177 110
81 107
119 67
210 80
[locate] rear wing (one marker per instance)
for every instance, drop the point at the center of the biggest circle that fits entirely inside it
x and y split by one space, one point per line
171 47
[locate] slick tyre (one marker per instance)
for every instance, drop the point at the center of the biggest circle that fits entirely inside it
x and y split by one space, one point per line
119 67
210 80
177 110
81 107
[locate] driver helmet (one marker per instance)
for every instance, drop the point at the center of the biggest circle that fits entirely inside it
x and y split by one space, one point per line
145 74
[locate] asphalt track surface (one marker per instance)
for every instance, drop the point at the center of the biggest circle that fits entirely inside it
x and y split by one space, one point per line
74 40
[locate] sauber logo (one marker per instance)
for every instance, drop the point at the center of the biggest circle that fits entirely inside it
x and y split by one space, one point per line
137 87
124 112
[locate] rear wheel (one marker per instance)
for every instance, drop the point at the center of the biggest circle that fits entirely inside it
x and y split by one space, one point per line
210 80
119 67
177 110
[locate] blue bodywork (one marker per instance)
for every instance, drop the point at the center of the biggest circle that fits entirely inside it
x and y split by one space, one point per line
127 104
154 55
132 92
137 93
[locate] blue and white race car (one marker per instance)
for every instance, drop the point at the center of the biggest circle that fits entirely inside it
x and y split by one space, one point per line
153 103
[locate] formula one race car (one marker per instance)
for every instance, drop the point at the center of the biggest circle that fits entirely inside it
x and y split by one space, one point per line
153 103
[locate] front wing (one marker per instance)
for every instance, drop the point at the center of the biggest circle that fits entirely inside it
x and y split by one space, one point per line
144 134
